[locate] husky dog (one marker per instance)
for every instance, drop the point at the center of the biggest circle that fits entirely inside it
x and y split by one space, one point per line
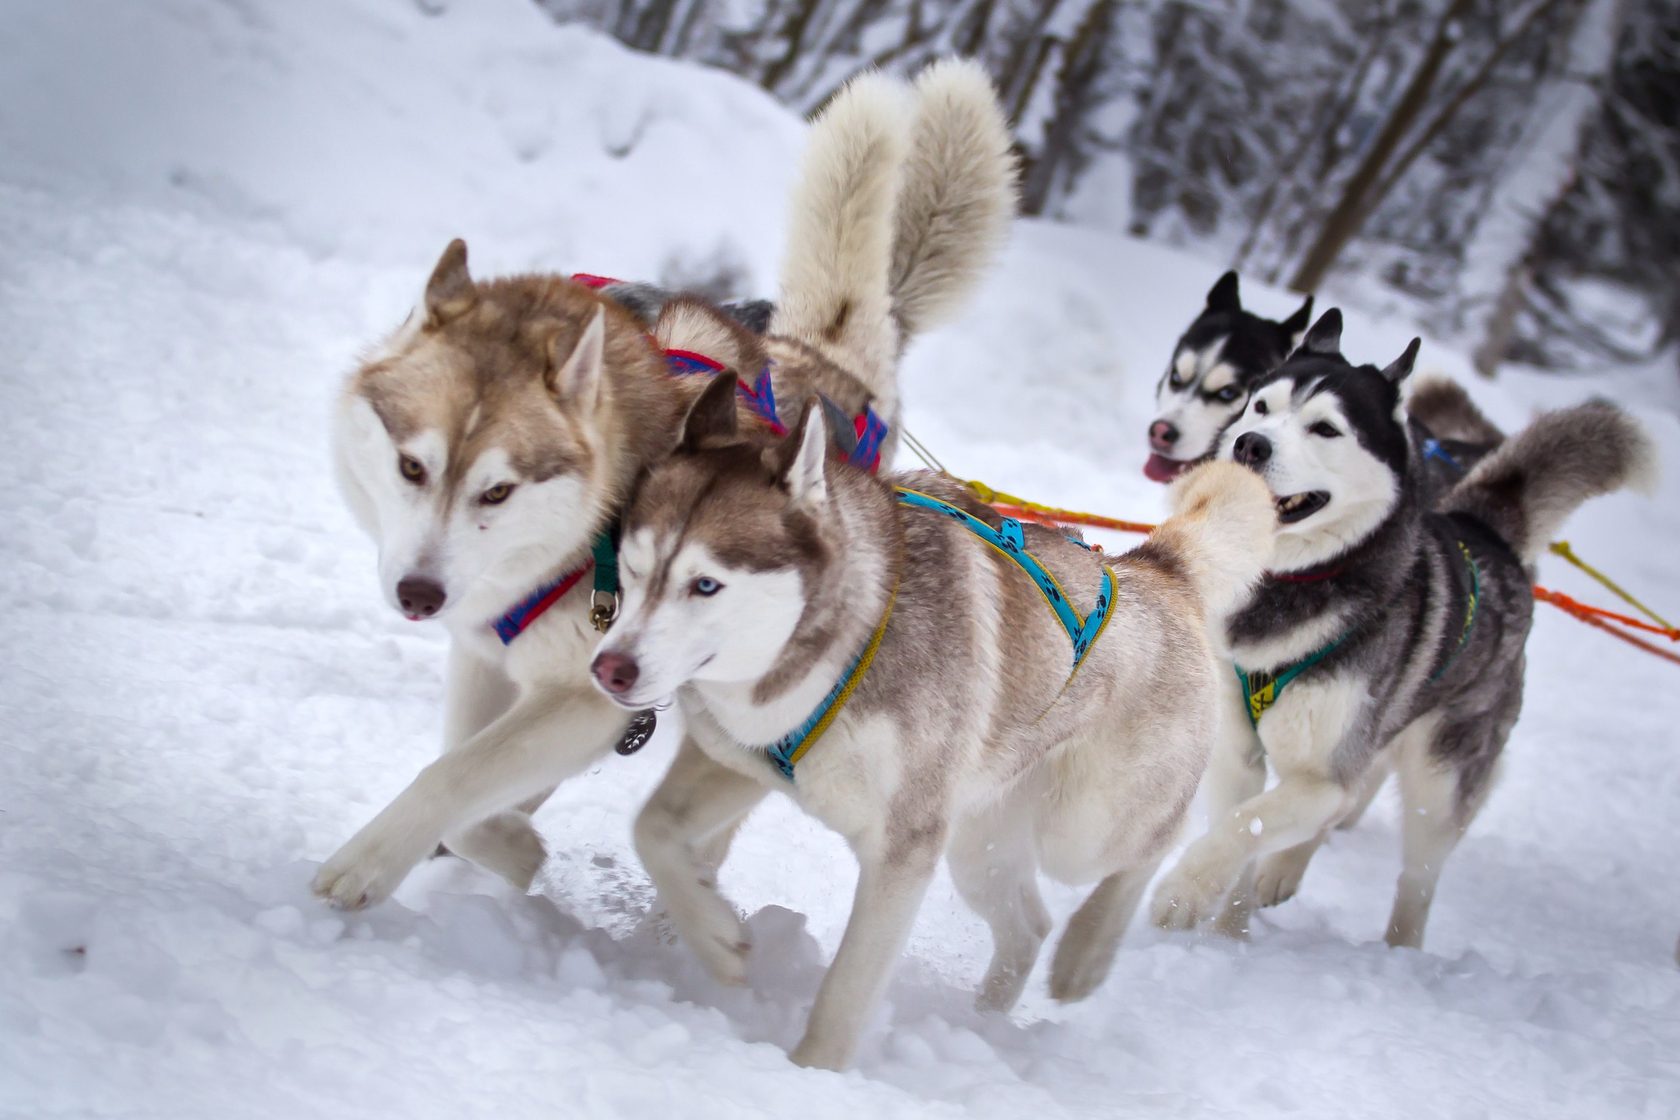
1387 633
788 599
490 444
1225 352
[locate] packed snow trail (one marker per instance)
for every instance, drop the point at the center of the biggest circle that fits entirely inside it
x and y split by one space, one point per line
208 210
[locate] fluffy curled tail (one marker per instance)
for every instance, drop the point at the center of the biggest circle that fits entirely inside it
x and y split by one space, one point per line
1441 405
1220 531
957 197
836 291
1530 485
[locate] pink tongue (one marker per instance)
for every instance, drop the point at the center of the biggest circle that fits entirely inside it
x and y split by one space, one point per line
1159 468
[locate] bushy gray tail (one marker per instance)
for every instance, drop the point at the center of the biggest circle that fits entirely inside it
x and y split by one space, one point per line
1529 486
957 197
836 294
1441 405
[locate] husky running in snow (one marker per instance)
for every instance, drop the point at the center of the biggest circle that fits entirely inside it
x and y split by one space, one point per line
790 601
489 445
1388 633
1227 350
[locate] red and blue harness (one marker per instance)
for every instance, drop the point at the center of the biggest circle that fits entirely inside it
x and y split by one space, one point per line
869 431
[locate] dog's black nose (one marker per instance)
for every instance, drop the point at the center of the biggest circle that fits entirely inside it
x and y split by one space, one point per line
617 672
1162 435
1252 449
420 597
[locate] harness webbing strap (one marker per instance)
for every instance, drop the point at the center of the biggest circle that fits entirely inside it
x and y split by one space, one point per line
790 748
1262 688
1470 610
1011 542
1434 449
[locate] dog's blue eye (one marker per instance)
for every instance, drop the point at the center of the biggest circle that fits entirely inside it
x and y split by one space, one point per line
1228 394
1324 428
707 586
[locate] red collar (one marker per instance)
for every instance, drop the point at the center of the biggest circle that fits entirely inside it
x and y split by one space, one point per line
1311 575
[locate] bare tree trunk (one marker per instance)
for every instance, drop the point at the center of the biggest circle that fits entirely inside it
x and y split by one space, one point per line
1350 212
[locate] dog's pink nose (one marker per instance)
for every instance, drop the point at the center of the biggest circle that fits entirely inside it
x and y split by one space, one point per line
617 672
420 597
1162 436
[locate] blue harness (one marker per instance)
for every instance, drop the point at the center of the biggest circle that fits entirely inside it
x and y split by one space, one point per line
1009 540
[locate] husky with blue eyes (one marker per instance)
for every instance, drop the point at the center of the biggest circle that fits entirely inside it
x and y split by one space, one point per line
1388 632
489 445
929 681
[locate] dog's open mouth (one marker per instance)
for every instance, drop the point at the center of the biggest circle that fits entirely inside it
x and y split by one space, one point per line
1299 507
1159 468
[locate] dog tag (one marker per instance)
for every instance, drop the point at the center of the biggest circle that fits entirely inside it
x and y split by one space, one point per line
639 732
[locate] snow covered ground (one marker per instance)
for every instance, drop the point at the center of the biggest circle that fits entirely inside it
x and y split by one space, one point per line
205 209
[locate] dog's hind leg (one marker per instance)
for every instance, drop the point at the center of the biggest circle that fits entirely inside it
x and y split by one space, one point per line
697 802
507 844
1086 951
1437 811
893 876
993 866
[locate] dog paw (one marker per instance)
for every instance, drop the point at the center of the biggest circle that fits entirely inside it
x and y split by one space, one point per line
506 844
1073 976
1185 899
1279 877
709 926
366 870
814 1052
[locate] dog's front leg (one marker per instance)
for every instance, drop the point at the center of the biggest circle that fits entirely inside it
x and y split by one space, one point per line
507 843
1300 737
547 736
892 878
697 802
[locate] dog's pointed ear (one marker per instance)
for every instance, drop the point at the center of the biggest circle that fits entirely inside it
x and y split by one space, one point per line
575 376
1296 324
1401 368
450 291
712 418
806 472
1326 334
1223 295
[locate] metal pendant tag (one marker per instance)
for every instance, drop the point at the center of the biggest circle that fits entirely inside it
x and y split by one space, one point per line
604 610
639 732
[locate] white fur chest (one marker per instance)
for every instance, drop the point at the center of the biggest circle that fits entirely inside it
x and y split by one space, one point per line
555 648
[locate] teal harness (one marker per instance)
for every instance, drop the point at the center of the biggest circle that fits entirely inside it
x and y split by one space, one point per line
1261 689
1009 540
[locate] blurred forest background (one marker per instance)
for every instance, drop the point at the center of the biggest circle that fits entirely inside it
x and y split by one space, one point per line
1506 172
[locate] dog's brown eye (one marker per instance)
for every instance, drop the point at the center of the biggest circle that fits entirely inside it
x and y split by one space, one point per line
411 469
1324 428
497 494
1260 408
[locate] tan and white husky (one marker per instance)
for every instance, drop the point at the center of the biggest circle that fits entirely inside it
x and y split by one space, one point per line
783 599
489 444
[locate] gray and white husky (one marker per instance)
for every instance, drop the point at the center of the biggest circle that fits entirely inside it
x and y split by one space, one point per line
781 598
1387 634
490 443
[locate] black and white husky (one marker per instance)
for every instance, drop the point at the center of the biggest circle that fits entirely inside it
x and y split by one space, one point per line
1228 350
1223 354
1388 633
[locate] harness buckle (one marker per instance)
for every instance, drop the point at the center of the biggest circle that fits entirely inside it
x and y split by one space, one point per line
604 612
